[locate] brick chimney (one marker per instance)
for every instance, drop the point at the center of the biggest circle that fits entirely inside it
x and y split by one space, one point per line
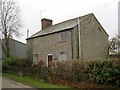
45 23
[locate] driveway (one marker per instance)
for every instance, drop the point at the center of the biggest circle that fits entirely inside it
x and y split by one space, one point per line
7 83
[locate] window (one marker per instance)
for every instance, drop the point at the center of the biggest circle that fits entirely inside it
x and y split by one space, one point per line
62 56
35 58
62 37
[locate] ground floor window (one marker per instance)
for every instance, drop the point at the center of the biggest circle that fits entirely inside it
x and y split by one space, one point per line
35 58
62 56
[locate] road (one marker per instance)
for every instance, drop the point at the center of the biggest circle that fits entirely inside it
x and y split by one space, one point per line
0 82
7 83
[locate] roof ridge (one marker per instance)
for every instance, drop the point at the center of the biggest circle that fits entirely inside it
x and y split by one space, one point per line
74 18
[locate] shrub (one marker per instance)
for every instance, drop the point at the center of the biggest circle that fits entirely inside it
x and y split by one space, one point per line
97 71
104 72
11 61
26 62
100 71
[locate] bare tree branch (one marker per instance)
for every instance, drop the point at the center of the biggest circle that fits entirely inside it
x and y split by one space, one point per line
9 21
114 45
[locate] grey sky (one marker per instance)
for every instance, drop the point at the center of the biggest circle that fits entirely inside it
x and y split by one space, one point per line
106 12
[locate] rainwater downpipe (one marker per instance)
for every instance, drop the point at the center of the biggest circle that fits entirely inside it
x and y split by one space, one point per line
72 43
79 42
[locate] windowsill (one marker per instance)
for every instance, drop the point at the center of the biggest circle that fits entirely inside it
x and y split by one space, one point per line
61 41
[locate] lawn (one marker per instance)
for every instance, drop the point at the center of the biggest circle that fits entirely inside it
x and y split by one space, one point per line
32 82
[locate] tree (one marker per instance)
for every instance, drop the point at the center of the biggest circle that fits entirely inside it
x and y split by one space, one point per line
114 45
9 22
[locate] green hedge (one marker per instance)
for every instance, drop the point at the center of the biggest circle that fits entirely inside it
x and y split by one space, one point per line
99 71
11 61
96 71
104 72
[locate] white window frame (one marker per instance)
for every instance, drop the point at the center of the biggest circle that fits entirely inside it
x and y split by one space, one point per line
35 55
63 53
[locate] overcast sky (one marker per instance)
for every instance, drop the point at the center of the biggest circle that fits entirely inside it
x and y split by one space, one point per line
106 11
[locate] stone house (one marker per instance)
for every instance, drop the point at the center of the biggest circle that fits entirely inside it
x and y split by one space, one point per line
17 48
82 37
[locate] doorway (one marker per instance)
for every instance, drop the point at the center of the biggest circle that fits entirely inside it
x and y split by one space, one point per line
49 60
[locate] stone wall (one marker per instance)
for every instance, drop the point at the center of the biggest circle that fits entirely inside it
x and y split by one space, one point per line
50 44
94 40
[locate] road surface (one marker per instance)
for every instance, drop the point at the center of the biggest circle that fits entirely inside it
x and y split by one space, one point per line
0 82
7 83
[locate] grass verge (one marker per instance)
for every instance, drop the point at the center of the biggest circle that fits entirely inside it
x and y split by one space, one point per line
0 67
32 82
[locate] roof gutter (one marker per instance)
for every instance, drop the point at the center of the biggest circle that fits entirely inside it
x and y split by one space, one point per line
50 33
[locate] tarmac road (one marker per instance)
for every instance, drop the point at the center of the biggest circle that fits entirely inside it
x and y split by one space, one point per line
7 83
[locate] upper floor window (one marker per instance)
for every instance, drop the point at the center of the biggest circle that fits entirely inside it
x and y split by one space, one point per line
62 37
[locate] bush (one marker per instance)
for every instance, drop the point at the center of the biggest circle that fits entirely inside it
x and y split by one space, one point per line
11 61
99 71
104 72
26 63
96 71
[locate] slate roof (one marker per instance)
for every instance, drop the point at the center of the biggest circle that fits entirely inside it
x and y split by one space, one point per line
59 27
65 25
